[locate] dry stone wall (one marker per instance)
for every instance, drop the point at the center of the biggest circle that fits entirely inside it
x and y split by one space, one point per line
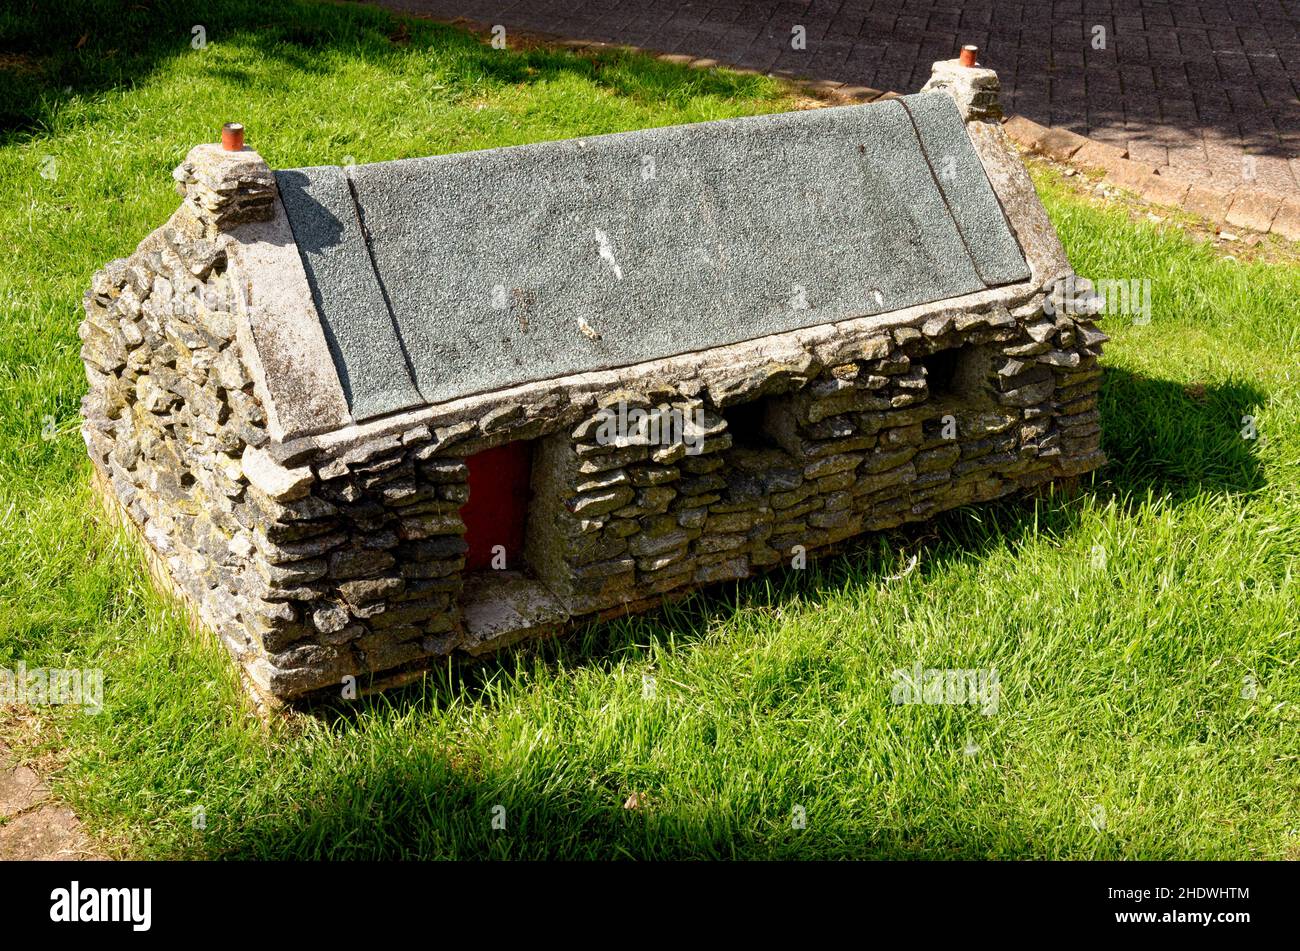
307 576
865 445
169 414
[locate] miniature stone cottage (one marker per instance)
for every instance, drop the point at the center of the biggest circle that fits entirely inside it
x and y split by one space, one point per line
369 417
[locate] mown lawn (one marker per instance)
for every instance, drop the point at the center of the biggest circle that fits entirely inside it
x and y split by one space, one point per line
1144 630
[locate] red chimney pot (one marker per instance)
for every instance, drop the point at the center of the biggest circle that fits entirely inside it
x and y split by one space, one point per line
232 136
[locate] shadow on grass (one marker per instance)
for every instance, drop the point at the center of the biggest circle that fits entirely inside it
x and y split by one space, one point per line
50 51
404 807
1178 440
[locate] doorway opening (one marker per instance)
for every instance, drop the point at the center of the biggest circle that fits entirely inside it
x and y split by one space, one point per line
496 515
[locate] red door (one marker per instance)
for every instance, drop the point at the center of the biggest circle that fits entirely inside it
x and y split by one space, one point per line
498 504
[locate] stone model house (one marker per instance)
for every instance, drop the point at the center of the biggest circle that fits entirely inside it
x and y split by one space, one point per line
369 417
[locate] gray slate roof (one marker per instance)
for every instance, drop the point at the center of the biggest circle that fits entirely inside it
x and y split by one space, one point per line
441 277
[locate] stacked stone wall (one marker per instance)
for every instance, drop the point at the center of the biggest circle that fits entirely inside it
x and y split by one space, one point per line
308 576
865 445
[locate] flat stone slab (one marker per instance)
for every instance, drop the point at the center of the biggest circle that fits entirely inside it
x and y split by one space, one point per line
49 833
34 826
499 608
20 789
442 277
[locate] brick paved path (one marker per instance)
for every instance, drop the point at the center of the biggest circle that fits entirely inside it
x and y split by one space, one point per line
1207 86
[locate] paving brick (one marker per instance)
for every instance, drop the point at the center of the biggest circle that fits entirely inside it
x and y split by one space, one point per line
1149 153
1208 201
1287 222
1271 173
1191 157
1061 144
1099 155
1165 188
1253 209
824 86
1025 132
860 93
1129 175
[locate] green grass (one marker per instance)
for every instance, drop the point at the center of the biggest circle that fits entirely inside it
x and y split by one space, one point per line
1125 686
